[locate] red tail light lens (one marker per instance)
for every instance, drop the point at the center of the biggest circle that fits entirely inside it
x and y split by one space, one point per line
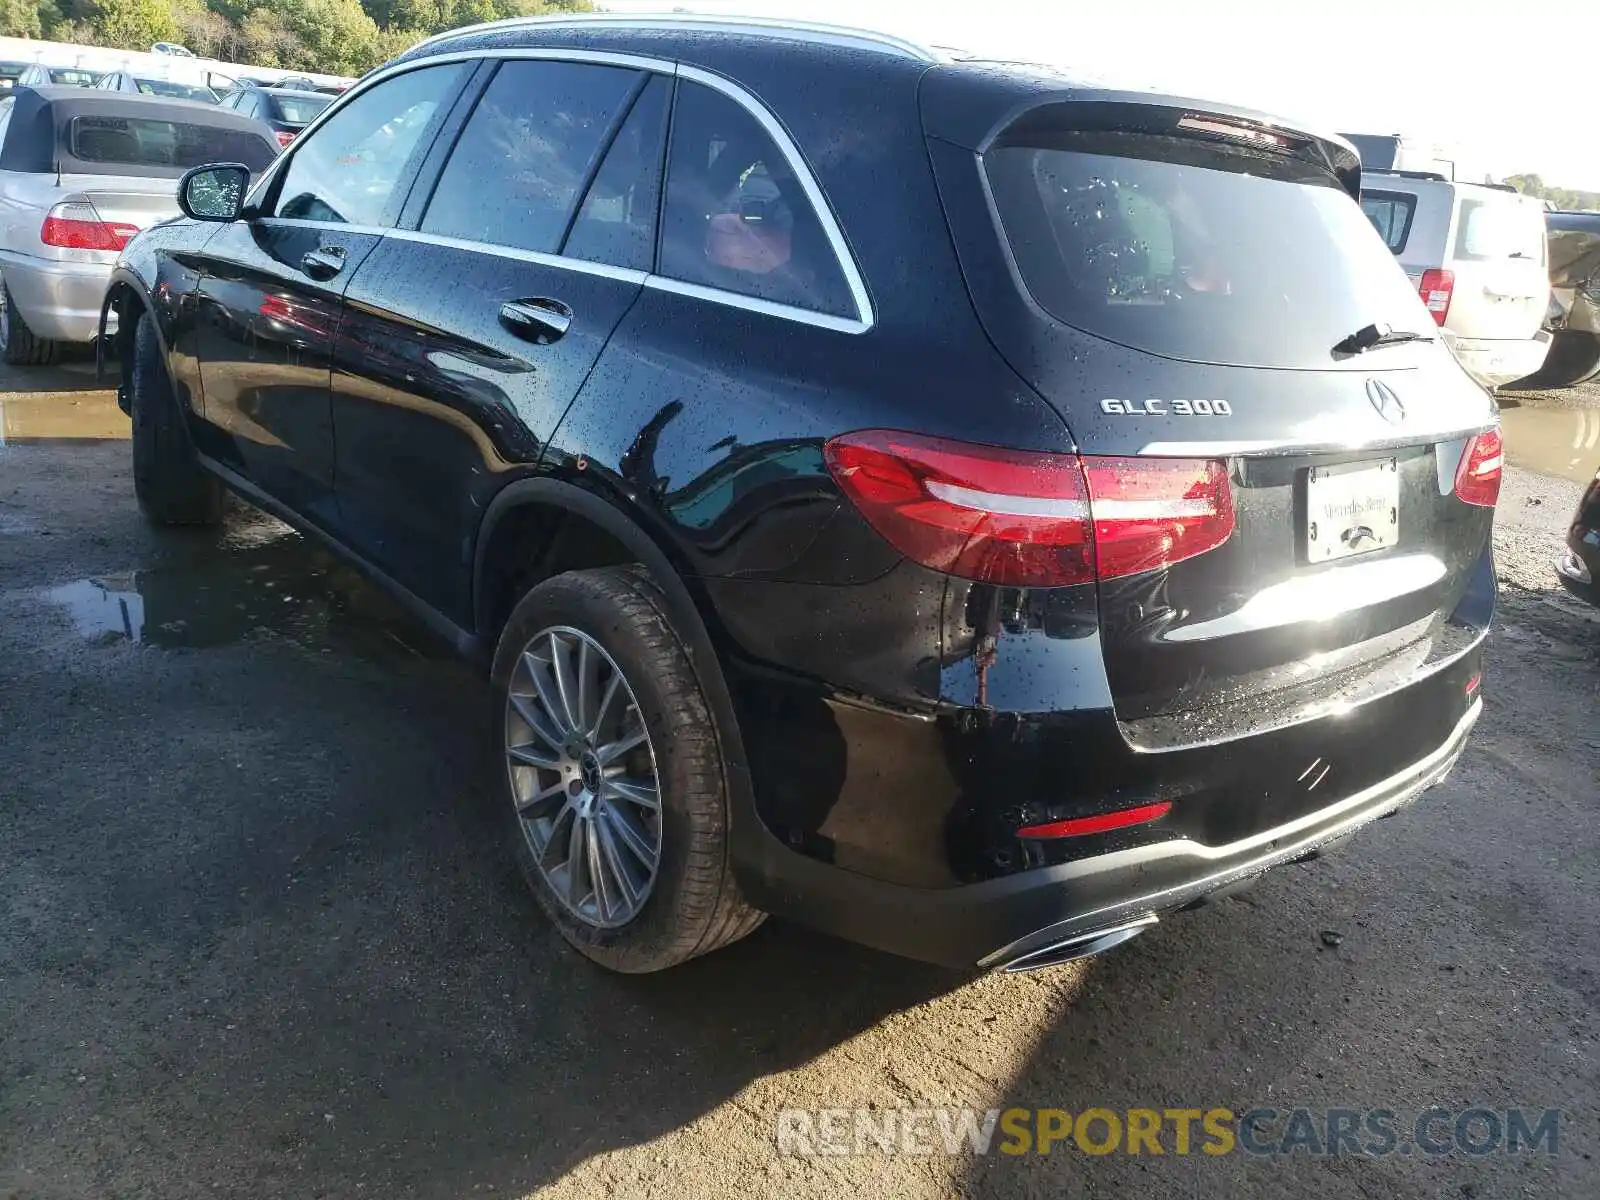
1478 476
284 137
76 226
1436 288
1026 519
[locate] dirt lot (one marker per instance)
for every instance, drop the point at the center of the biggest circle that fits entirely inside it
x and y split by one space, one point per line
258 937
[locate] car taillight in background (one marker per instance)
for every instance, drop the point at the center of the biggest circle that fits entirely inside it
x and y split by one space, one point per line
1026 519
285 136
74 225
1478 476
1436 289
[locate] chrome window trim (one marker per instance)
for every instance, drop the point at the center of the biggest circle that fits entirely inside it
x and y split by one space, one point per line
536 257
816 32
865 316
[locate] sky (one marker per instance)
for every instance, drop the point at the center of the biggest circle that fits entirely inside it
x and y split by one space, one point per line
1503 83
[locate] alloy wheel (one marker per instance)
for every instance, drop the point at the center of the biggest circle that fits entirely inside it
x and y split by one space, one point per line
583 776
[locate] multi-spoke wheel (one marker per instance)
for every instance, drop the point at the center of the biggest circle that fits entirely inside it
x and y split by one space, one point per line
614 773
583 776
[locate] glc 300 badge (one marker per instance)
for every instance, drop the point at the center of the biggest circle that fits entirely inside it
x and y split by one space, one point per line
1167 408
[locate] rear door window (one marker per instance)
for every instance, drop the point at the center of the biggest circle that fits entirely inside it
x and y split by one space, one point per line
1390 214
617 224
351 168
1192 249
152 142
525 155
1494 229
736 218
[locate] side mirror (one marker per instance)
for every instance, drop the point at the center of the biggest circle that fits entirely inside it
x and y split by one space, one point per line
215 192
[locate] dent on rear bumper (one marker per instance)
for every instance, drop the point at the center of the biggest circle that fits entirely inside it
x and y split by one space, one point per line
989 924
59 301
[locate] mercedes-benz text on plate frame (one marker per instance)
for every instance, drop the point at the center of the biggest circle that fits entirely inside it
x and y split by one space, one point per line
1351 509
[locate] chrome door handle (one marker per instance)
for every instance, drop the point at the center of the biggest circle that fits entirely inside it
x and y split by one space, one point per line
324 262
541 321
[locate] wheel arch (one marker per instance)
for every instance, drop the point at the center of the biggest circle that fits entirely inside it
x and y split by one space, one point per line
544 498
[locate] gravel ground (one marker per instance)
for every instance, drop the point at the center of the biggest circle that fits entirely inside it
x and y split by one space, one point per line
258 937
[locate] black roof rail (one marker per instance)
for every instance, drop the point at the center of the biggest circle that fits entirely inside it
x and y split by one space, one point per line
1499 187
1433 175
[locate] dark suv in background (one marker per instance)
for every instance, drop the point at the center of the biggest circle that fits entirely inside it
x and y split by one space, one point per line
933 500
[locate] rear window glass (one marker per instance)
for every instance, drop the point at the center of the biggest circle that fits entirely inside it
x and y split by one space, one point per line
1493 229
1192 250
73 77
299 110
151 142
176 91
1390 214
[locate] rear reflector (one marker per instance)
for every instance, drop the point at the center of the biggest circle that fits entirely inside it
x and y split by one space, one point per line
74 225
1436 288
1026 519
1478 476
1474 684
1101 823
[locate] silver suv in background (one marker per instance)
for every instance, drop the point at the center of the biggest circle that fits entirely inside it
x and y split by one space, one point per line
1477 256
81 172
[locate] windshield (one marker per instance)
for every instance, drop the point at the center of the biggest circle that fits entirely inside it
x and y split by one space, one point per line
1194 250
176 91
299 110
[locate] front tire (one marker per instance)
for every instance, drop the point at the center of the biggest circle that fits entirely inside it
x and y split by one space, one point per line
172 487
19 345
611 774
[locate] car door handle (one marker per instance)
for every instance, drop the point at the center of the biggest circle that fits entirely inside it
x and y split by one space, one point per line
540 321
324 262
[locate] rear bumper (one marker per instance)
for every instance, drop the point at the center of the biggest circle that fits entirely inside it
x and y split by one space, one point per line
59 301
996 922
1496 362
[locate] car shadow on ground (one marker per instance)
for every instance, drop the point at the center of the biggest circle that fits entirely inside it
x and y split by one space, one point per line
265 934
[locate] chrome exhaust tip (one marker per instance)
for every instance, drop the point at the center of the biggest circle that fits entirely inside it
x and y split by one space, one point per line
1083 945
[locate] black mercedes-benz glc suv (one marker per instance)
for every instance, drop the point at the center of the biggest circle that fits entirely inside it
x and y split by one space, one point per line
936 501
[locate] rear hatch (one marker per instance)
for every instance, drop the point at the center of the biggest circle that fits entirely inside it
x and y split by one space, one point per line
1184 284
1497 252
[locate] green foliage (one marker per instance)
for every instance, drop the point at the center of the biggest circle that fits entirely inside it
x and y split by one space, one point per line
1568 199
337 37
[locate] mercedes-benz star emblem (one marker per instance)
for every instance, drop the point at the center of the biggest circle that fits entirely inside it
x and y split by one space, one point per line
1386 402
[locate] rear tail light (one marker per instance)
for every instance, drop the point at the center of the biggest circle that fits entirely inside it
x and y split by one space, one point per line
285 136
74 225
1025 519
1478 476
1436 288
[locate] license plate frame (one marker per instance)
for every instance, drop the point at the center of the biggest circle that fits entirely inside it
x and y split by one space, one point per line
1351 509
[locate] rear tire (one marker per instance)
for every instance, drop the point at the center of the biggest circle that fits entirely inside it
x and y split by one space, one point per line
691 904
1573 358
172 487
19 345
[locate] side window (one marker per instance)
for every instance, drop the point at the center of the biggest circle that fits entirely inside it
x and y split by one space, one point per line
1390 214
736 218
617 224
350 171
525 153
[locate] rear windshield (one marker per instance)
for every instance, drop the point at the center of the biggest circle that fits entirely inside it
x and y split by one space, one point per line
176 91
152 142
74 77
299 110
1194 250
1390 214
1496 229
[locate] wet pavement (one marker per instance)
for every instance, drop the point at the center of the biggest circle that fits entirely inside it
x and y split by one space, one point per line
260 936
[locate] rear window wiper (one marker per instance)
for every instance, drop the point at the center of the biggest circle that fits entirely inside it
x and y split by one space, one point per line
1374 336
